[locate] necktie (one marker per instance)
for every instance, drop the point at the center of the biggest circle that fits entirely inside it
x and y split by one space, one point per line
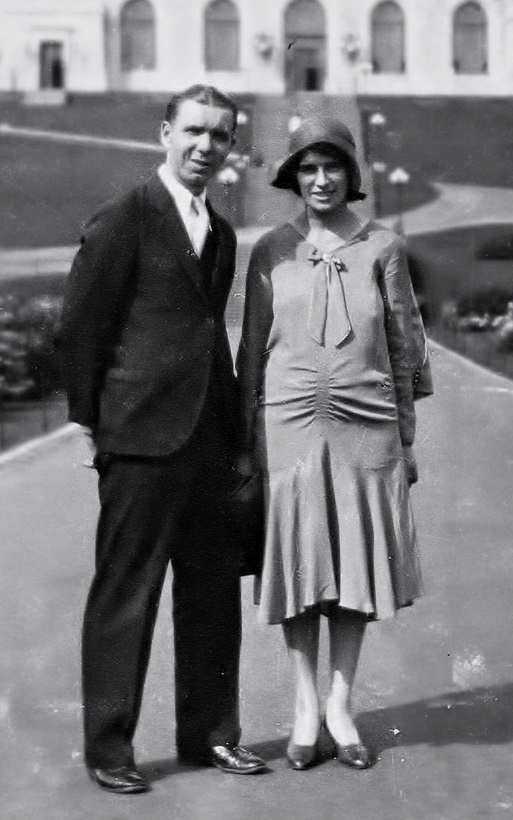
328 321
197 224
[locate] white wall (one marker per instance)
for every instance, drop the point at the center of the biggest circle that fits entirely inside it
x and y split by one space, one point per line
92 53
27 23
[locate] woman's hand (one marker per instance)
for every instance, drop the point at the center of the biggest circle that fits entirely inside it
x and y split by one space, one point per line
410 465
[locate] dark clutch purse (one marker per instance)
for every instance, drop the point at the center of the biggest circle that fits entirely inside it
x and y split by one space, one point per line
245 516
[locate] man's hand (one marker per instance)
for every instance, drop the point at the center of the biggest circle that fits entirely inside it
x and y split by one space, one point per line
410 465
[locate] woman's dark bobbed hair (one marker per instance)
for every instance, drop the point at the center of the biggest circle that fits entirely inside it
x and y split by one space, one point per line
320 134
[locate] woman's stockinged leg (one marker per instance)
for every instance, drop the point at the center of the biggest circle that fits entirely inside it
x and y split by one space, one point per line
346 631
302 640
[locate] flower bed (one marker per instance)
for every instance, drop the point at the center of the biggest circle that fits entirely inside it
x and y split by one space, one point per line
480 325
31 398
28 358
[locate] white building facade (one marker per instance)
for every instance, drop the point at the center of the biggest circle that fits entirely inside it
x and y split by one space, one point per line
374 47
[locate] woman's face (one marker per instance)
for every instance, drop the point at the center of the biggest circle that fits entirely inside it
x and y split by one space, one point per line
322 181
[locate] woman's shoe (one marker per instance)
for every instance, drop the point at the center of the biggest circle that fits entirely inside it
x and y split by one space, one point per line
301 757
356 755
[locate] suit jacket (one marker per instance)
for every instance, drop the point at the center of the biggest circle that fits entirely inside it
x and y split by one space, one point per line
141 333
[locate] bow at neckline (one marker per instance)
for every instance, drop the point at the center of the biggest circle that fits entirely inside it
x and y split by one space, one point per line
328 321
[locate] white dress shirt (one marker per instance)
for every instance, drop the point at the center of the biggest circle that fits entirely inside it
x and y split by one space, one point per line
192 209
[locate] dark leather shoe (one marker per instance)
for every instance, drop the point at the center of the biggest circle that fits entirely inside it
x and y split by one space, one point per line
301 757
121 779
236 760
356 755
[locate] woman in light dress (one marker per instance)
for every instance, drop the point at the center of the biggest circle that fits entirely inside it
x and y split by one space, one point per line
329 363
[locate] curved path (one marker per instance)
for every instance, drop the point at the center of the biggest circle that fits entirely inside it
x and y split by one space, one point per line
457 206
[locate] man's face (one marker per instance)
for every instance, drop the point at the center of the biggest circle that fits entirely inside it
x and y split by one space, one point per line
197 142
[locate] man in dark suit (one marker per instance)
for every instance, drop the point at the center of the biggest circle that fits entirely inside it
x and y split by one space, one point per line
149 373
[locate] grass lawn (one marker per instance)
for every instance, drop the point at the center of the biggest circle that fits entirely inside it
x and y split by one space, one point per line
449 265
51 189
127 116
22 421
464 140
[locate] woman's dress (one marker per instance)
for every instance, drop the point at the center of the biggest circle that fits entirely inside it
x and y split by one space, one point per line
328 417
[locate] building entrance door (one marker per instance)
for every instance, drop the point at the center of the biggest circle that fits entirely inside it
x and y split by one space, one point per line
51 64
305 69
305 47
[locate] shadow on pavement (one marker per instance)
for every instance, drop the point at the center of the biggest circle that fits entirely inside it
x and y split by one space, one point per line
155 770
479 716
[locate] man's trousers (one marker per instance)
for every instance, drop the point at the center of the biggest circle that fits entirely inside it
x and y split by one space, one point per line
155 511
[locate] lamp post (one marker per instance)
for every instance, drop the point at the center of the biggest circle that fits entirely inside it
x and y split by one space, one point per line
399 178
229 177
377 122
378 171
2 420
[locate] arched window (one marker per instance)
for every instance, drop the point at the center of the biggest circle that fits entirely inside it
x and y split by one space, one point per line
305 45
222 36
470 40
137 35
388 39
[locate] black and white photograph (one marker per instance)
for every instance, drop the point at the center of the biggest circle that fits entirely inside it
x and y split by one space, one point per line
256 409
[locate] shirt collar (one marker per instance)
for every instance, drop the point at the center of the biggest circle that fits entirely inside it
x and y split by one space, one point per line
181 195
357 230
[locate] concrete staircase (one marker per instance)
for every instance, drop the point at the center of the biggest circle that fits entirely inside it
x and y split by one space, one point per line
46 97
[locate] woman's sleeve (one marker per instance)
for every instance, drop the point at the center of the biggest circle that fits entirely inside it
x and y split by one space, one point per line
257 323
407 347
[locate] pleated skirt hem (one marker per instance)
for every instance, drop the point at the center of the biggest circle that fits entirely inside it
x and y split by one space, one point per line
338 534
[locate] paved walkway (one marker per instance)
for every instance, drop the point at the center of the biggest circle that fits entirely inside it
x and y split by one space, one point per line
435 686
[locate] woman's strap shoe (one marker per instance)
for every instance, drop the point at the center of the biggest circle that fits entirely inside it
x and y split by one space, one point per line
356 755
301 757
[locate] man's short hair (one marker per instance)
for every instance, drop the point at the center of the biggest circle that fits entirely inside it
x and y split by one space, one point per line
204 94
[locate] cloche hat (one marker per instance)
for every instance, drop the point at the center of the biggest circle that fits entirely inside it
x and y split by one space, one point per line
313 132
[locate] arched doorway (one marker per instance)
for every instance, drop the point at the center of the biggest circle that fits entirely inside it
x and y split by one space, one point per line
305 46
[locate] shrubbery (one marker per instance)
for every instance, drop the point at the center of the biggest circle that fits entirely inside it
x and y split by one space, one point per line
485 310
492 300
29 366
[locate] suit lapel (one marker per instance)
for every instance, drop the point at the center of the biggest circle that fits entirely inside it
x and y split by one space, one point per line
174 234
217 273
